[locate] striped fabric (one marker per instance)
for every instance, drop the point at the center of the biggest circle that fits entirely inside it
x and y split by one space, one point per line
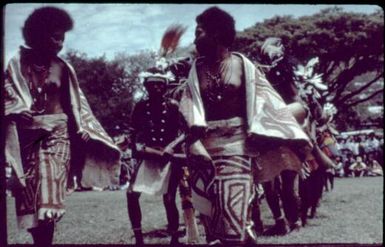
101 166
46 159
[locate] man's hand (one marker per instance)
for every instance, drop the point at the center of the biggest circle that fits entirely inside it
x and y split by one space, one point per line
304 173
84 135
168 153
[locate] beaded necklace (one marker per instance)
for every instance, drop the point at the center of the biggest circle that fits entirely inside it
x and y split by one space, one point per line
38 75
216 84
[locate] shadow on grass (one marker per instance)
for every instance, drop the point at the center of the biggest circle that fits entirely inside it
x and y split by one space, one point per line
156 233
162 233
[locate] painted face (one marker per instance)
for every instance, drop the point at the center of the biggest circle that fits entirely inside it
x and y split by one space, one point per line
204 42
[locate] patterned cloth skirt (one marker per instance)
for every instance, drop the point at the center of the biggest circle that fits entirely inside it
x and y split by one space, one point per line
224 199
46 156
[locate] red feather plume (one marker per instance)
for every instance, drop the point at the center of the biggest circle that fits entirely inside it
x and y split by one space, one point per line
170 39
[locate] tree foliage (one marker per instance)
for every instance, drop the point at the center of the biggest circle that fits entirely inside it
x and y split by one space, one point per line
111 87
349 45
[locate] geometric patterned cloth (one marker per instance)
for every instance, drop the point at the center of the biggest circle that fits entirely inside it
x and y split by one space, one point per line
229 193
222 187
46 156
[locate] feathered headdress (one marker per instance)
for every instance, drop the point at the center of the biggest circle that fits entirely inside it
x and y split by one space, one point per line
307 81
273 49
170 39
168 45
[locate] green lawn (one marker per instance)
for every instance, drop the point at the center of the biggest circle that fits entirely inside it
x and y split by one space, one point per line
351 213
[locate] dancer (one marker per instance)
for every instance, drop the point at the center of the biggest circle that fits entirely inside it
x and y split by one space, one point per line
45 113
238 123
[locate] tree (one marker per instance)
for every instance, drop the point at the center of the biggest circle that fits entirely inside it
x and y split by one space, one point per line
114 87
111 87
133 65
348 45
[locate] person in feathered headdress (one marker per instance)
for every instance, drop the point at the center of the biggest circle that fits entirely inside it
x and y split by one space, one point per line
302 88
155 125
45 114
157 132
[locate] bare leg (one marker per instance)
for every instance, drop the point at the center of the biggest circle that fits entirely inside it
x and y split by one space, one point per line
272 198
289 197
43 234
170 205
135 215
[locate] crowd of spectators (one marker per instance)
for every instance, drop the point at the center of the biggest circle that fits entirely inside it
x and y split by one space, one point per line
359 155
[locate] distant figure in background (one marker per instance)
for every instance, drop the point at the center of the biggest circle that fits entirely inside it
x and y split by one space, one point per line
373 146
45 113
339 170
347 163
341 145
358 168
350 145
374 168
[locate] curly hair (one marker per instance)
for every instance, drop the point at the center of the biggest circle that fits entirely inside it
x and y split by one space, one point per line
43 22
217 21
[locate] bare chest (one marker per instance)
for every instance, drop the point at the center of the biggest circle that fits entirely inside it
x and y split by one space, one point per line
220 83
45 84
223 92
45 77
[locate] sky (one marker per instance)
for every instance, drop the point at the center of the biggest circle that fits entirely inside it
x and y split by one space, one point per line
107 29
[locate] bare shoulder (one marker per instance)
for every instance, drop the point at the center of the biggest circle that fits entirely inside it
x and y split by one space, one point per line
237 63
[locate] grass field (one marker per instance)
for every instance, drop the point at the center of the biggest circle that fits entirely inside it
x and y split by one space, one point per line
351 213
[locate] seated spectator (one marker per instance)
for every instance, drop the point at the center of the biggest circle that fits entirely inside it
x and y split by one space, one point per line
374 168
347 163
358 168
339 169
